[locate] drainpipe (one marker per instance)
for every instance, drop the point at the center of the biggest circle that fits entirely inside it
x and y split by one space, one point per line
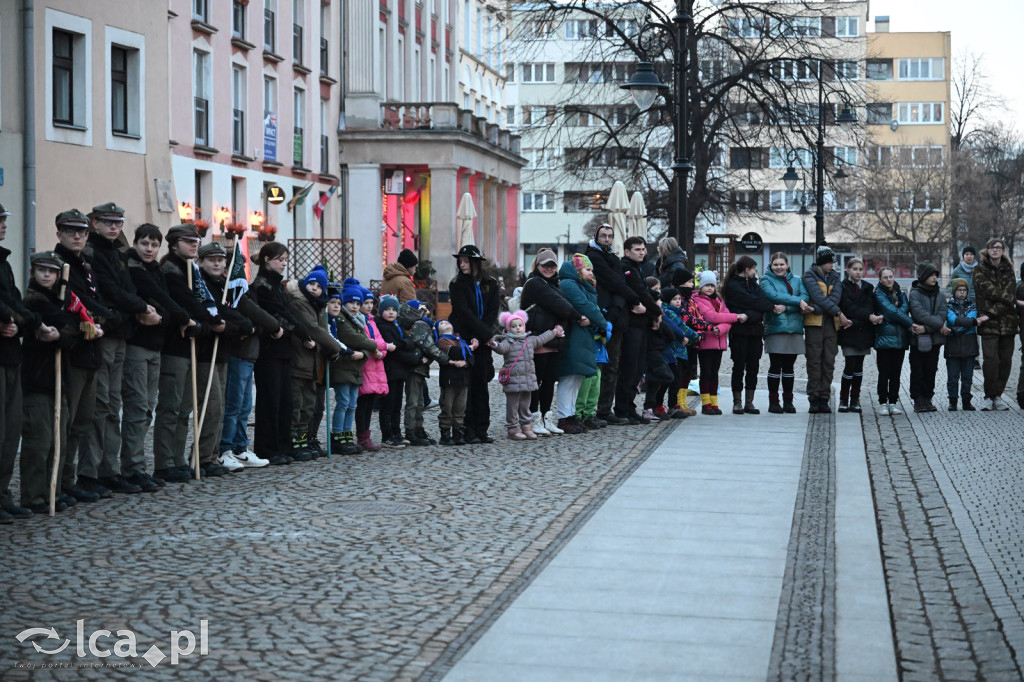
29 140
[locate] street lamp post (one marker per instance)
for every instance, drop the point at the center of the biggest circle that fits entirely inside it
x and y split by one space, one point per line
645 86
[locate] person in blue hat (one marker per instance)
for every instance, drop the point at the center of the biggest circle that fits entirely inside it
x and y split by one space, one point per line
347 369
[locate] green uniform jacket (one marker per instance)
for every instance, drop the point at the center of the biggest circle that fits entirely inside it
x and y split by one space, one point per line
307 363
345 369
994 291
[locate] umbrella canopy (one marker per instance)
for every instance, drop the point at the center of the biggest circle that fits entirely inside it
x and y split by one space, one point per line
464 220
617 206
637 216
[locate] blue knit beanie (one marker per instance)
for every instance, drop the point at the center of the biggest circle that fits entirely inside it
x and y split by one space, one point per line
368 295
388 301
351 292
414 304
319 275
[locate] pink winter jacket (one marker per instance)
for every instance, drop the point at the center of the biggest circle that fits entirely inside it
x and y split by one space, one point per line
718 316
375 381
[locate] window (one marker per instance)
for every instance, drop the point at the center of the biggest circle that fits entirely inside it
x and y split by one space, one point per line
920 113
298 45
879 70
63 78
269 26
538 201
630 27
238 19
879 113
510 73
538 73
847 70
237 109
842 201
847 27
300 117
880 156
846 156
200 11
580 29
747 200
269 119
797 27
746 157
746 27
663 157
922 69
784 158
538 157
796 69
584 202
538 29
538 116
510 116
921 156
918 200
201 97
785 199
325 140
325 27
119 90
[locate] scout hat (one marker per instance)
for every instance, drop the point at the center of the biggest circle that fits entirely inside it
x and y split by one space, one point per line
71 218
46 259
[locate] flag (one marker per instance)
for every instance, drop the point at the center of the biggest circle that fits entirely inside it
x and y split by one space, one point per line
299 197
238 281
324 198
201 293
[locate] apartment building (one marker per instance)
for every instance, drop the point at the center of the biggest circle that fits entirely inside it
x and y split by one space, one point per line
423 124
89 123
254 100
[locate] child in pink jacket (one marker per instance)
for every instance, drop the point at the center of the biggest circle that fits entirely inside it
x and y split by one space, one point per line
375 381
715 341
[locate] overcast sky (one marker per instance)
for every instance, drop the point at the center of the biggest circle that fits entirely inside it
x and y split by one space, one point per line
990 27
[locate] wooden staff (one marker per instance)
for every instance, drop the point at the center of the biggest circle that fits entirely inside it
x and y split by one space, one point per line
327 402
195 387
216 339
65 273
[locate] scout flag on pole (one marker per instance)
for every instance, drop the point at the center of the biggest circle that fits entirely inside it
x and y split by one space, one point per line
299 197
238 281
201 293
324 198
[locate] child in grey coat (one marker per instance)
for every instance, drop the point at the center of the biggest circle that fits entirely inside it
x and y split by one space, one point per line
517 345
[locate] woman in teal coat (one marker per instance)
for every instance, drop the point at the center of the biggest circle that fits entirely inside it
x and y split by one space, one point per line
578 357
892 338
783 332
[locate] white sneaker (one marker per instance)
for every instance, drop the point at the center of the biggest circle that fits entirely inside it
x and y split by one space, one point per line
987 405
551 423
538 425
883 408
998 404
250 461
228 461
894 409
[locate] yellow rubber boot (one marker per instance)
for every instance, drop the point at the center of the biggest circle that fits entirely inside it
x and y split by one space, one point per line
705 403
714 404
681 401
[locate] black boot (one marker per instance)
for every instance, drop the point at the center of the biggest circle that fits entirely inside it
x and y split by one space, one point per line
337 443
952 404
421 433
459 435
737 402
968 407
844 394
748 406
787 403
774 406
446 437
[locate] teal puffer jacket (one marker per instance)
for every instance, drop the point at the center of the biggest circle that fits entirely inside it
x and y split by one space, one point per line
894 332
792 320
578 355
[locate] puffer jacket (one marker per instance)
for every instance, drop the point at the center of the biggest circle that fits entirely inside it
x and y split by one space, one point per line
348 334
858 304
716 313
398 282
994 290
928 308
267 289
375 377
823 292
308 363
892 304
546 307
671 267
791 321
961 317
401 361
421 335
523 371
578 356
673 319
745 296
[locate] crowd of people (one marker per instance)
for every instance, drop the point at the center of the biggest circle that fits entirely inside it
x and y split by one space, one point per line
127 340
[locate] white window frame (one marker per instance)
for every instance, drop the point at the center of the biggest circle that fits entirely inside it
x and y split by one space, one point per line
847 27
239 100
785 200
271 92
847 69
746 27
200 48
299 121
582 29
537 202
920 113
81 132
797 27
845 155
912 69
538 72
784 158
135 141
796 69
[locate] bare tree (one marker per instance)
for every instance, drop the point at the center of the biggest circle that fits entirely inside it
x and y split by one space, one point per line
752 85
991 173
972 97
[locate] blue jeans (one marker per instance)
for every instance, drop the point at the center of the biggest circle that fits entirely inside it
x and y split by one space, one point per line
237 406
345 398
959 371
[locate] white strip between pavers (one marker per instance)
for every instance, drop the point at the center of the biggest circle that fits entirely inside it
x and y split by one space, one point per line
677 576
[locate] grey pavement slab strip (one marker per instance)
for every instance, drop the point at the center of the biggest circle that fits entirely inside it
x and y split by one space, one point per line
677 576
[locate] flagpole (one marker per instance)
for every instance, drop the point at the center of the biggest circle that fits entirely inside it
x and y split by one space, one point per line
189 264
58 398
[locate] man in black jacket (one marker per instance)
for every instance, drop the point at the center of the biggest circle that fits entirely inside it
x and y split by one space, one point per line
15 319
636 330
474 298
141 375
615 298
99 456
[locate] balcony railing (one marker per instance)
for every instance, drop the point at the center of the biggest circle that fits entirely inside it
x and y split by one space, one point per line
445 116
237 131
202 121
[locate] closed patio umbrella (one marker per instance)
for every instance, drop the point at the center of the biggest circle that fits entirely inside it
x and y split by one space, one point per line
617 206
464 220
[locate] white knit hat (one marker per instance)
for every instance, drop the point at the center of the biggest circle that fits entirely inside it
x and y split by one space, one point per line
708 277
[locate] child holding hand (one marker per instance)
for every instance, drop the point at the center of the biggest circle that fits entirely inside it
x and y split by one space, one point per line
454 381
517 346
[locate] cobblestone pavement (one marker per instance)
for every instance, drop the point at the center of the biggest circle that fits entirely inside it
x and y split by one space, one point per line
367 567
